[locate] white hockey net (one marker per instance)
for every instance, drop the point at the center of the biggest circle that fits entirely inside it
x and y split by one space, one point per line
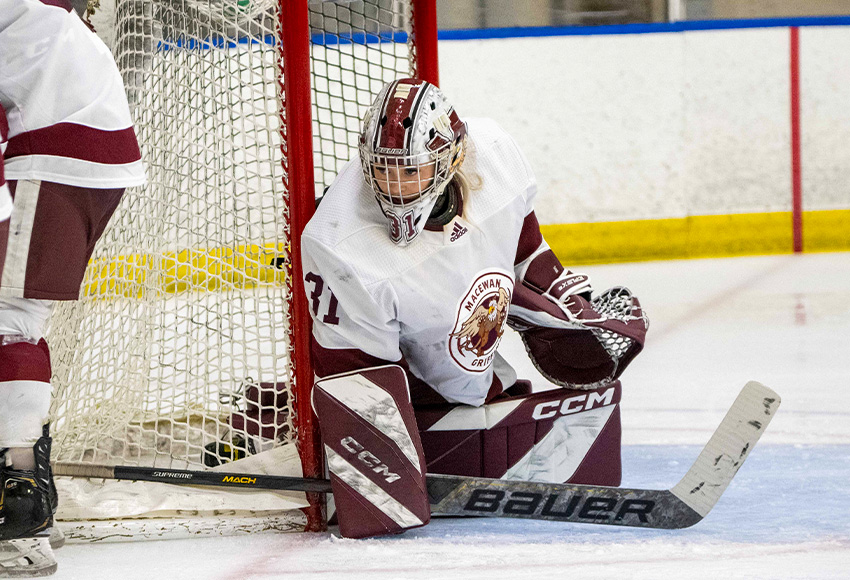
178 351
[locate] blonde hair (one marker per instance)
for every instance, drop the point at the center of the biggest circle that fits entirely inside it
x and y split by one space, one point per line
471 179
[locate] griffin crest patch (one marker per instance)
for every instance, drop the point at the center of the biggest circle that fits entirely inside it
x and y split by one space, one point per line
482 314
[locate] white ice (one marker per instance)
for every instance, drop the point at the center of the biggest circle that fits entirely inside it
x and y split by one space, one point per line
715 324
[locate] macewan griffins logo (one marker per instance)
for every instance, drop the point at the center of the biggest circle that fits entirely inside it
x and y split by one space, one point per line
481 317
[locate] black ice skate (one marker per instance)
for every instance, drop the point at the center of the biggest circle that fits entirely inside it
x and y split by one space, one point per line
27 503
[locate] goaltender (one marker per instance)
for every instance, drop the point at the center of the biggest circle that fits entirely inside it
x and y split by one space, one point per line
417 257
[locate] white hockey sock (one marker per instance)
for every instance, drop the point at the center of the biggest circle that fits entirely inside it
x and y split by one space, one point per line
24 392
23 411
21 458
24 317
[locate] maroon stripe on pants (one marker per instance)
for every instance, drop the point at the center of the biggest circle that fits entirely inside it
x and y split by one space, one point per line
68 222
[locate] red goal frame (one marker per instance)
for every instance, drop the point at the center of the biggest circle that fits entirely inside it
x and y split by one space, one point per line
297 149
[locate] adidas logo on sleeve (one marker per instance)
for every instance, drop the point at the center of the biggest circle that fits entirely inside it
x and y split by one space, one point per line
457 231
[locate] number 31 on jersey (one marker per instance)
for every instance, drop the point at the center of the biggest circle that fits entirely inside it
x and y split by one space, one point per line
315 297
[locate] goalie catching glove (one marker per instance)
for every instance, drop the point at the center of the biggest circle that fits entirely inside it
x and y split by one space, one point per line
574 341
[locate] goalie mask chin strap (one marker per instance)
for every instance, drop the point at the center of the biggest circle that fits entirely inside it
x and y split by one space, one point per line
449 205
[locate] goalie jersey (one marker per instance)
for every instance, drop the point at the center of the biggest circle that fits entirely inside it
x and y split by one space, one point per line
439 305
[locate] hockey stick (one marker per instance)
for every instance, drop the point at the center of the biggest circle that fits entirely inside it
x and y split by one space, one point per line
185 477
688 502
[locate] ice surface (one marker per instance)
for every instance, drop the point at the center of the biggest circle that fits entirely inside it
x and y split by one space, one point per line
715 324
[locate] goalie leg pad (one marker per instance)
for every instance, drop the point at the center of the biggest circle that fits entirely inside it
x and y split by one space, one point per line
373 450
558 436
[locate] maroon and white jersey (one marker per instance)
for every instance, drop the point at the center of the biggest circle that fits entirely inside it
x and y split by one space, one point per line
68 117
440 303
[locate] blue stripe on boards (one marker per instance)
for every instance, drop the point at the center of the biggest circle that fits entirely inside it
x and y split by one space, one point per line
216 42
327 39
319 39
642 28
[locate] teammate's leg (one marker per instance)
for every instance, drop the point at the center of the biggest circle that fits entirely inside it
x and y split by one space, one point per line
27 494
44 249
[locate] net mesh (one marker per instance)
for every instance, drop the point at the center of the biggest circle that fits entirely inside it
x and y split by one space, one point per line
180 345
357 48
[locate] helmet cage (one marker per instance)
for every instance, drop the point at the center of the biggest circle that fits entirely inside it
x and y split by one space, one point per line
397 175
411 145
408 212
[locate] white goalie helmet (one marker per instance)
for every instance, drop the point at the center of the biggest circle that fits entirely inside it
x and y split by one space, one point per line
411 146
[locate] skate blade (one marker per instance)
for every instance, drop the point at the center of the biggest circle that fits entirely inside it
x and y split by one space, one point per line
26 558
57 538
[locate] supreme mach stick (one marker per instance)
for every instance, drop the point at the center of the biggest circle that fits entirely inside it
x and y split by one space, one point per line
688 502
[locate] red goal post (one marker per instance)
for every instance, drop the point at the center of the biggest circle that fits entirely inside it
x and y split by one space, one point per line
295 24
